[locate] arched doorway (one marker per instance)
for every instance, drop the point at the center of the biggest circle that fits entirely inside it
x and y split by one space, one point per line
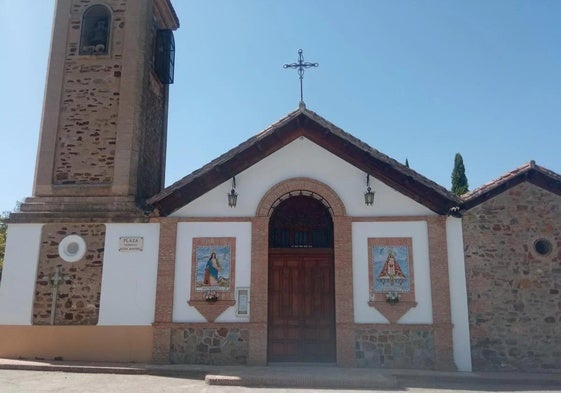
301 307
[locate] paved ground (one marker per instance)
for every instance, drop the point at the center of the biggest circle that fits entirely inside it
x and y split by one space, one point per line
18 381
40 376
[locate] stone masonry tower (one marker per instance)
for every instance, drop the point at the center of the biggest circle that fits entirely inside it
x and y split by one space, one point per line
103 136
102 145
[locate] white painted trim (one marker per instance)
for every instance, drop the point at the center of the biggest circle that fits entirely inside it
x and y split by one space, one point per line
247 295
418 231
186 231
72 248
458 294
17 289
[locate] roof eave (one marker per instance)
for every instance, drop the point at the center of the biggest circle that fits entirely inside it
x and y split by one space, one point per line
530 172
303 122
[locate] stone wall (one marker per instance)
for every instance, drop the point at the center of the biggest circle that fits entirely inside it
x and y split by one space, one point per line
514 295
79 292
210 345
153 143
404 347
87 130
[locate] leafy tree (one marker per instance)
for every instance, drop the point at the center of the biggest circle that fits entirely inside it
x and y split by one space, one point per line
3 234
459 179
3 228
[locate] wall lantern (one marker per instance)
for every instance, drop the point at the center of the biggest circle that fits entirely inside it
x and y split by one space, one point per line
233 196
369 194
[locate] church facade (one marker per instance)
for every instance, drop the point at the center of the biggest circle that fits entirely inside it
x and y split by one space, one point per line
302 244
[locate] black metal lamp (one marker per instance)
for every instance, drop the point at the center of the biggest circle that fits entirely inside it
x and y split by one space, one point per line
369 194
233 196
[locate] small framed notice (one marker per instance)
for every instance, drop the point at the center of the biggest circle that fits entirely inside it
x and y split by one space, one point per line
131 244
242 302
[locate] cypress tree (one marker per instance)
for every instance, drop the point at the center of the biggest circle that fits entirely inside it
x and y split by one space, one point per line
407 163
3 227
459 179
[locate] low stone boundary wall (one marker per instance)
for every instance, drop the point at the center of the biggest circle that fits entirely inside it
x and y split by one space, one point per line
378 347
210 345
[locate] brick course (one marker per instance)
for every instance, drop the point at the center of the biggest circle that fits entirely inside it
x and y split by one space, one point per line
440 288
164 289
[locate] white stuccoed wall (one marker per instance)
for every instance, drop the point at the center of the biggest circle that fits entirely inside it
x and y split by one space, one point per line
128 285
300 158
17 289
303 158
458 294
186 231
418 231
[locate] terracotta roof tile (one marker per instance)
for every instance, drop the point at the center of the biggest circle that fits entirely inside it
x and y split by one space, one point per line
530 172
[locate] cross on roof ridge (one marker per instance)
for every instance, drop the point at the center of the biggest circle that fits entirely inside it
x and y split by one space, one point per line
301 66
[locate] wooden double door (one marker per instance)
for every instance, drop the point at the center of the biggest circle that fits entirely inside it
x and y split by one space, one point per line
301 306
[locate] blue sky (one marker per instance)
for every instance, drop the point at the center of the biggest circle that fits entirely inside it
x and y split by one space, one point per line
420 80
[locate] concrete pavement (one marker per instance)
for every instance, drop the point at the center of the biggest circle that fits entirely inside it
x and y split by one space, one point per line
303 375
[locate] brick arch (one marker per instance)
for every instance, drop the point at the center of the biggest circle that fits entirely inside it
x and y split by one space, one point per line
305 186
342 255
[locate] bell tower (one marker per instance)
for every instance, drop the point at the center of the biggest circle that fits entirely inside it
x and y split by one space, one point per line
103 133
101 148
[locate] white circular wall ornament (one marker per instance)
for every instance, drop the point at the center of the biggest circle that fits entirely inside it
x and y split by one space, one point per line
72 248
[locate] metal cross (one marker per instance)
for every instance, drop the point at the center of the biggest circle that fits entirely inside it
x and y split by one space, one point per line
54 281
301 65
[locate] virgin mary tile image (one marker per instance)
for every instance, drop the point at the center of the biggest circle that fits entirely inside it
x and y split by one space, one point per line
391 268
213 268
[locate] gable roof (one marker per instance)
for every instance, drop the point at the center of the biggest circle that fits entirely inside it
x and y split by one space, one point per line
529 172
303 122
